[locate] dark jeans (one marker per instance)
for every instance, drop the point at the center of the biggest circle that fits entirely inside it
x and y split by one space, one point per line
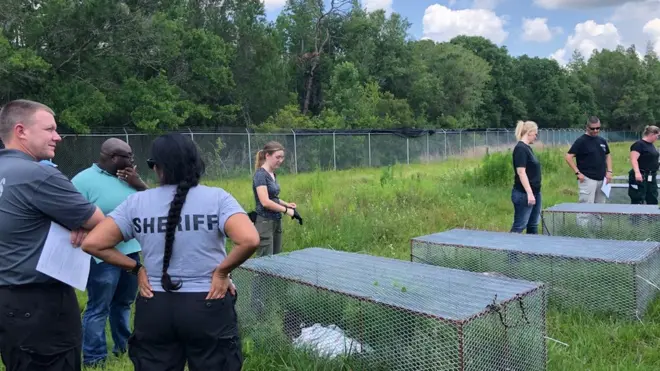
644 192
524 215
40 328
172 328
110 293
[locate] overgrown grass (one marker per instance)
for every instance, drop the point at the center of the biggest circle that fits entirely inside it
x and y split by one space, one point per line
377 211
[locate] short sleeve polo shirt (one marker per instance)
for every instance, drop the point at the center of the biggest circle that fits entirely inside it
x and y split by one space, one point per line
32 196
107 192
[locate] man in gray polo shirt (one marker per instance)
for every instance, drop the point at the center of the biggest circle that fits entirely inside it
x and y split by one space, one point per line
40 325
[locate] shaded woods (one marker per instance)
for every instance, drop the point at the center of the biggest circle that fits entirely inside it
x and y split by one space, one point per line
152 66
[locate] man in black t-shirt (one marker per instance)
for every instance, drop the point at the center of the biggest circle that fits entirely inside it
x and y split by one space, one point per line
592 166
642 183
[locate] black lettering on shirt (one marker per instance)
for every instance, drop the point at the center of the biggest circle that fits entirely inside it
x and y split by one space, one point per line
162 224
148 225
211 220
194 222
136 225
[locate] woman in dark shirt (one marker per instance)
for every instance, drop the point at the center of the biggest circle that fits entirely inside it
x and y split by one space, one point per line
642 183
526 192
269 207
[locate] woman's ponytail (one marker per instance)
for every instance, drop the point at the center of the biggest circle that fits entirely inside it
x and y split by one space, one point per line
259 159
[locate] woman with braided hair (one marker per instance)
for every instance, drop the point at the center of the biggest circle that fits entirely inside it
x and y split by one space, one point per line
183 313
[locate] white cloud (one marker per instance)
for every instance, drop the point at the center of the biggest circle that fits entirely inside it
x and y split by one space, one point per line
587 37
652 28
630 18
485 4
442 24
373 5
581 4
272 5
537 30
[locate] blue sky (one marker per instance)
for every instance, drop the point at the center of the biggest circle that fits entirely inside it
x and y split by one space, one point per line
543 28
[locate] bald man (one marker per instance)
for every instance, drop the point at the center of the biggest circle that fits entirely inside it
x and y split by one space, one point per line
110 290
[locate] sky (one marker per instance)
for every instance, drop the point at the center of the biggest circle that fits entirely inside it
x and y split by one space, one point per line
538 28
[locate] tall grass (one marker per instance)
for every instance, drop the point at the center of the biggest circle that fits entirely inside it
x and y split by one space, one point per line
377 211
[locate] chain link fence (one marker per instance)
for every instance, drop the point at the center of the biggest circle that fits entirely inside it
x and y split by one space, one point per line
379 313
229 154
604 276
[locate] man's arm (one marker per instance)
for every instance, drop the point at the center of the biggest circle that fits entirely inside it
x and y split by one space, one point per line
131 176
569 160
570 155
57 198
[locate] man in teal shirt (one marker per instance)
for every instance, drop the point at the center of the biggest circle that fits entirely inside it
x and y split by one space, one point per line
110 290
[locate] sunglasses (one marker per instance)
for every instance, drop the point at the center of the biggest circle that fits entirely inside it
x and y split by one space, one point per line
151 163
597 128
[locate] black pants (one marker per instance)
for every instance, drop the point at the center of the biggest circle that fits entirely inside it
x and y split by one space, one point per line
172 328
644 192
40 328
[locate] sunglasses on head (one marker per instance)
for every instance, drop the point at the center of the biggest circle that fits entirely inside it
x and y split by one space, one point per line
151 163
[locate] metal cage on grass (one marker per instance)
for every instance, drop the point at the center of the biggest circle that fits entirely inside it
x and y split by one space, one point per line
397 314
611 277
619 193
603 221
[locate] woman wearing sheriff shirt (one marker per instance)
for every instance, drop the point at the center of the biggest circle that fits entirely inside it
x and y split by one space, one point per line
642 183
182 313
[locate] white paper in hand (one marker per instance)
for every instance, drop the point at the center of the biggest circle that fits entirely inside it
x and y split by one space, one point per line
60 260
606 188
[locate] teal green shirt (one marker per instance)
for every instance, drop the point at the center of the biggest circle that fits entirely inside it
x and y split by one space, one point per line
107 192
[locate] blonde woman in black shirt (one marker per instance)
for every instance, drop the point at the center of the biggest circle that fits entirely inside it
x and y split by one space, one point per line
642 182
526 192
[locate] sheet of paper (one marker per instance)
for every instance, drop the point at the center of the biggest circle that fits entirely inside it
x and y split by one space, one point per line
60 260
607 187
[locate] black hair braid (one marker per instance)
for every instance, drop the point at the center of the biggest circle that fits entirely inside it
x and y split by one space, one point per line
173 219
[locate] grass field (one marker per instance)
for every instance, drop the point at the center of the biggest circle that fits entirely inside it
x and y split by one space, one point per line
377 211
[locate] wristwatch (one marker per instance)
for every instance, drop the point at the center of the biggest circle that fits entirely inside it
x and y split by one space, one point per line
136 269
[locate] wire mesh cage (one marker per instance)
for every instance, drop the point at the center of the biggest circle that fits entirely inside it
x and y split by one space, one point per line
603 221
619 193
610 277
620 179
387 314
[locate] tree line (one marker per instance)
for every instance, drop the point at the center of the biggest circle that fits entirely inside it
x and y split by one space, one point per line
161 65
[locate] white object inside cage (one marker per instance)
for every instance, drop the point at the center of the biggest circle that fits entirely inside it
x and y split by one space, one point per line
328 341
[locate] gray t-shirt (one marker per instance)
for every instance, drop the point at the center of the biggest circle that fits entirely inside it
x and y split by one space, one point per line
199 244
31 197
262 178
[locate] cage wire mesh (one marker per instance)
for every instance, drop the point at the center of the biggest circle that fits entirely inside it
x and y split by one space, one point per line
603 221
619 192
605 276
380 313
